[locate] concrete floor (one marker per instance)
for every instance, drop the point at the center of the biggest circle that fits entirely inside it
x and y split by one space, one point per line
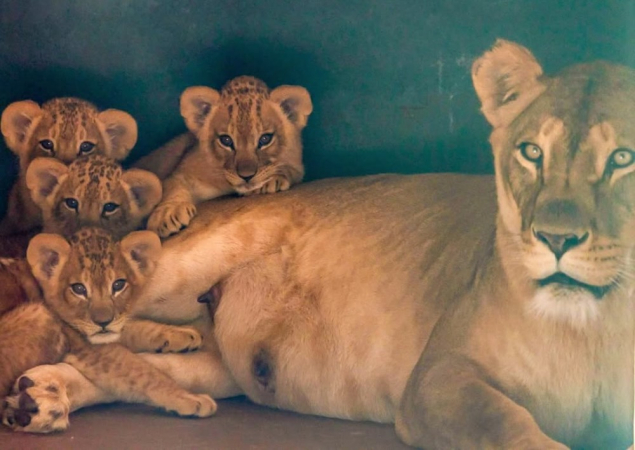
238 424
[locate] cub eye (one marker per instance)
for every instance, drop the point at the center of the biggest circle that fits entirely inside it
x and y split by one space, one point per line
226 141
79 289
118 285
71 203
265 139
47 146
622 157
109 208
531 152
86 147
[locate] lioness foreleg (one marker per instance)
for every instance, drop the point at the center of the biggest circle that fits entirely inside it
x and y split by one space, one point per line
453 403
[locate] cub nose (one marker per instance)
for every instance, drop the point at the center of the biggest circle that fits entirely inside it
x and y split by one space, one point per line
103 323
559 244
246 169
102 316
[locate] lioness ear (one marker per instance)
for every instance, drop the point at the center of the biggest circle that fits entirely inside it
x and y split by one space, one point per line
17 123
295 102
141 249
507 78
119 129
196 104
143 189
47 254
43 178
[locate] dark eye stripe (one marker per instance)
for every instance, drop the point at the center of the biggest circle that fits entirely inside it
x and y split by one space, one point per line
531 152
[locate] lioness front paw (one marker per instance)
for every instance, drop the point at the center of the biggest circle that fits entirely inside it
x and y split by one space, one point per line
178 340
193 405
170 218
38 402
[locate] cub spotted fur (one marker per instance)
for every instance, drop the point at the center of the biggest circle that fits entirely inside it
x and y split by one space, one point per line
89 283
62 128
91 191
248 141
475 311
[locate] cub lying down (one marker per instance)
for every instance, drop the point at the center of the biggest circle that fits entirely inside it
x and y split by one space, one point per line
89 283
475 312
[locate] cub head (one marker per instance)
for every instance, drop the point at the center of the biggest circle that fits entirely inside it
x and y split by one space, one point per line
565 164
91 280
65 128
91 191
254 132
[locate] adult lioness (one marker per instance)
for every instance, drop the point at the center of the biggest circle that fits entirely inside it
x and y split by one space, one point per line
521 317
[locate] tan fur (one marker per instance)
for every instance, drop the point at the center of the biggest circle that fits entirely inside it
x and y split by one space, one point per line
244 139
62 128
412 298
106 196
73 319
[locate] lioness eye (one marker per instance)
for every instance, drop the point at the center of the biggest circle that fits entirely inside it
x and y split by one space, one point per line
86 147
109 208
118 285
71 203
226 141
622 157
265 139
531 152
79 289
47 146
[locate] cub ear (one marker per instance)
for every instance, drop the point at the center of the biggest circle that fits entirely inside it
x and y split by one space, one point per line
17 123
47 254
141 249
143 189
119 129
44 176
196 104
295 103
507 79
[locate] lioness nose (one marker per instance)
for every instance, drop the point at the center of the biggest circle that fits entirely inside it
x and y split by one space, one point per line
559 244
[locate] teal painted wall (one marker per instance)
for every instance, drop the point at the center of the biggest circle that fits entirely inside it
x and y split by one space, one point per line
389 79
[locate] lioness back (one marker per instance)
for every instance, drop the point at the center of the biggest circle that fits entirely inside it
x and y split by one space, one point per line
64 129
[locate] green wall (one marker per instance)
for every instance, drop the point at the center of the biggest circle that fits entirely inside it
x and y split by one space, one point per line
389 79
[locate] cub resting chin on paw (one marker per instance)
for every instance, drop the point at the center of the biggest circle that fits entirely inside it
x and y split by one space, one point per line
247 141
89 283
473 311
64 129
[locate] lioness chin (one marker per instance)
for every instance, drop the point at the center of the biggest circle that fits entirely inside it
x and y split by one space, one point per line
477 312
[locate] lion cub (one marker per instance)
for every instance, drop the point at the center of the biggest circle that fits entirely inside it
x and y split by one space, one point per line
62 128
248 140
91 191
89 283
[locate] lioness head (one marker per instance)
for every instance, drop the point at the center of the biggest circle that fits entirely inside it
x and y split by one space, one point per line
91 279
564 158
91 191
255 133
65 128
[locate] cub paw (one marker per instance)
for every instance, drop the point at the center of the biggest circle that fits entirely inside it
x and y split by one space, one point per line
274 184
38 402
193 405
170 218
178 340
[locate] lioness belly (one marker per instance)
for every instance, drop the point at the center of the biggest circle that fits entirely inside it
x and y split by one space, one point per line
340 344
